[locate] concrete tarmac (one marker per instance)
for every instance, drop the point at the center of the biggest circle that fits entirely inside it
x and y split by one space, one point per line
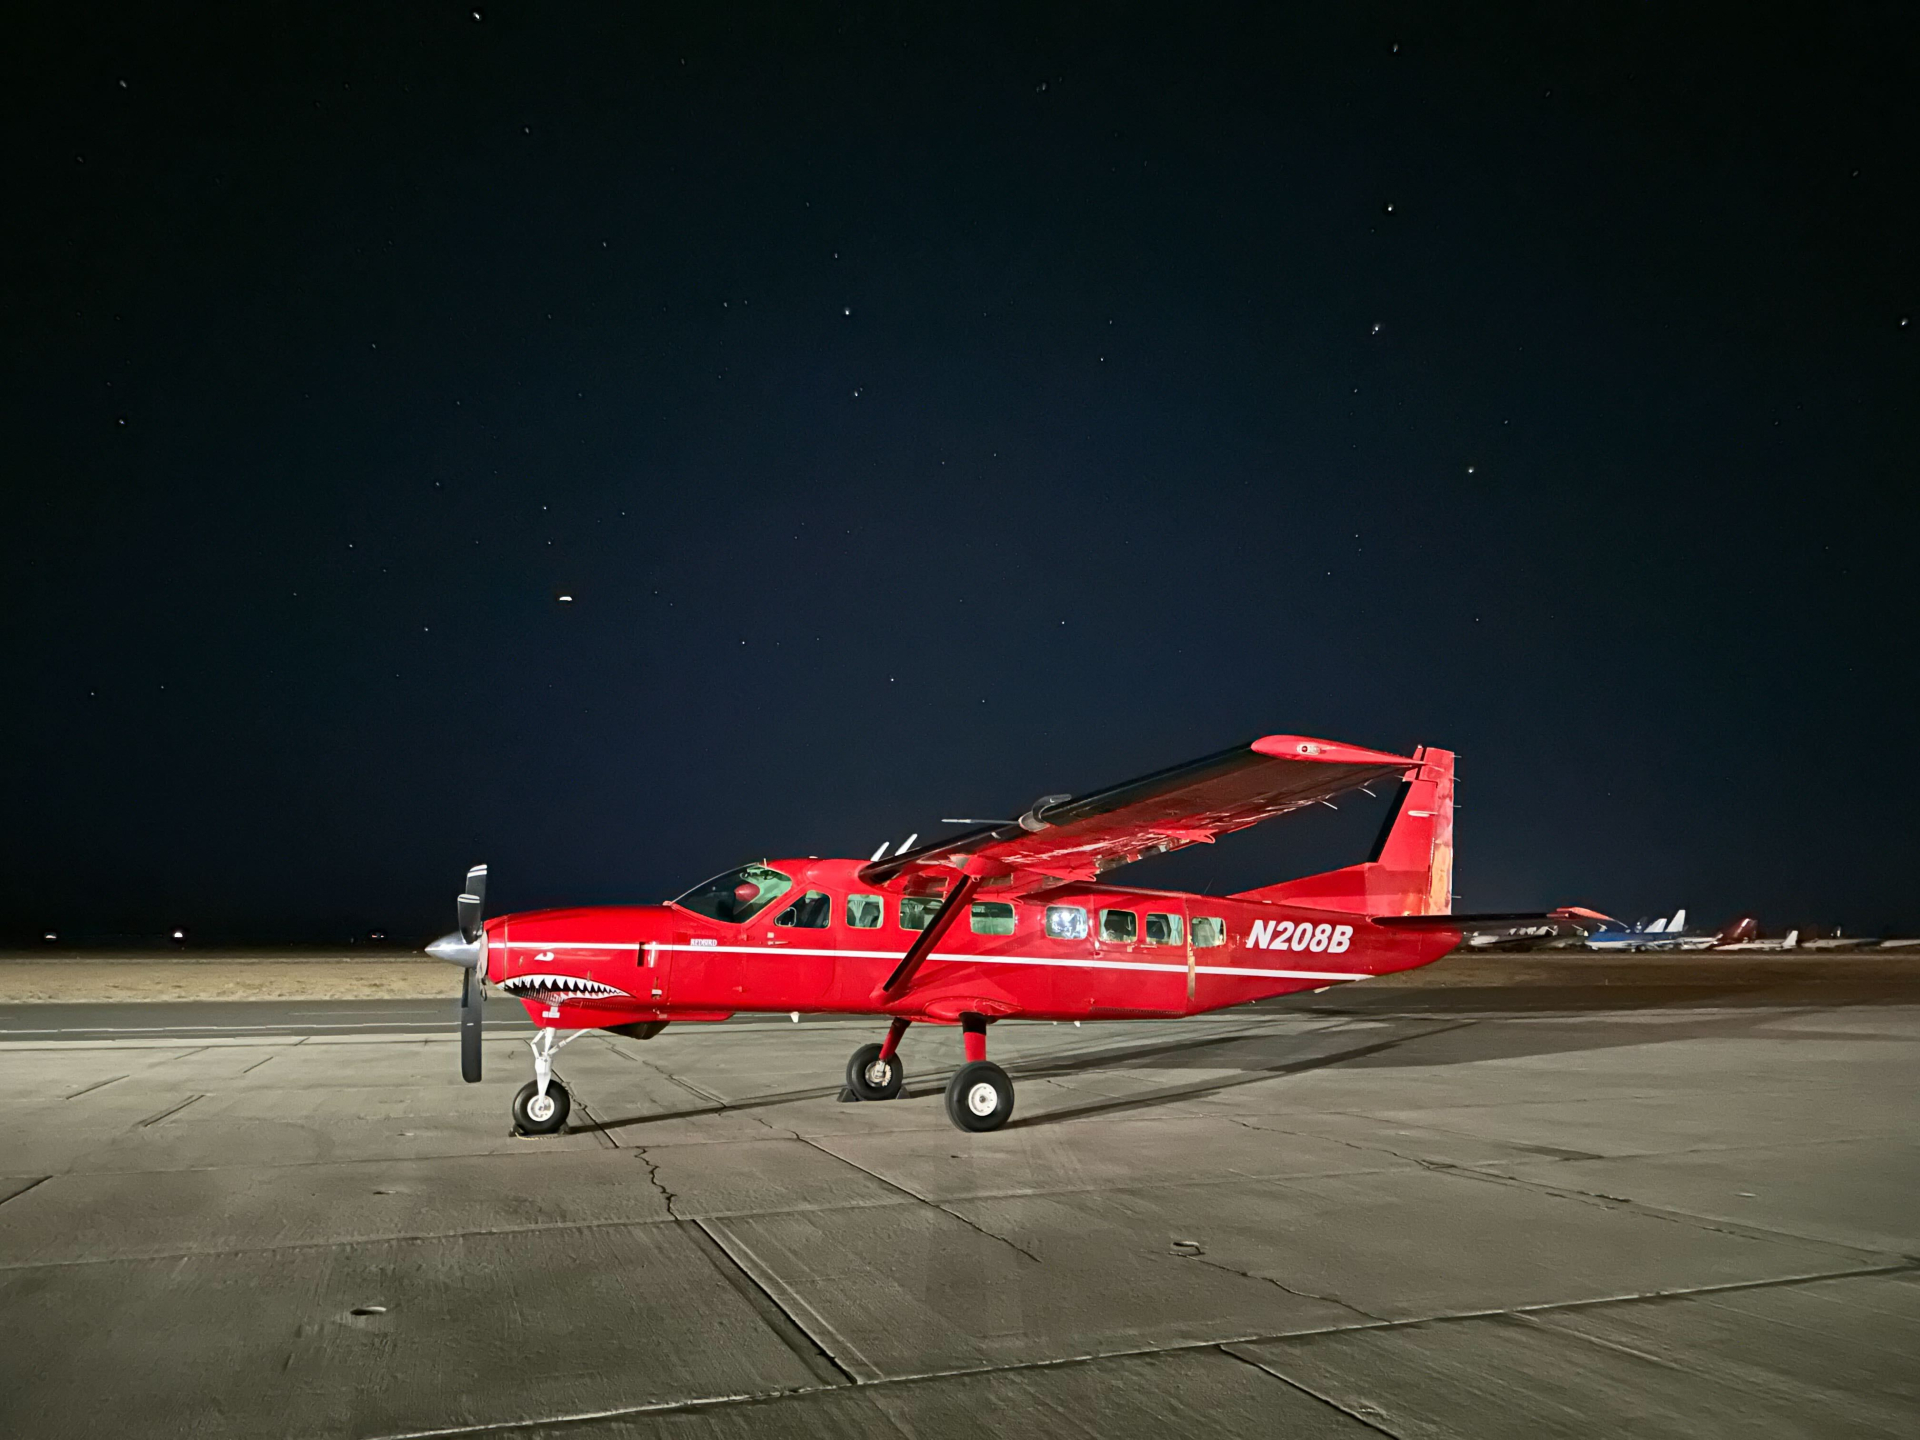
1679 1201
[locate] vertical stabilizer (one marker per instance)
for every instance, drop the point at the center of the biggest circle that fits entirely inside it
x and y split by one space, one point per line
1410 870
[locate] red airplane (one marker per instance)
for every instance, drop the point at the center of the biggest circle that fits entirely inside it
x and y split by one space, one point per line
1044 937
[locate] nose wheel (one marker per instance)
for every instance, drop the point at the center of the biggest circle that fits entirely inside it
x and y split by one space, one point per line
538 1114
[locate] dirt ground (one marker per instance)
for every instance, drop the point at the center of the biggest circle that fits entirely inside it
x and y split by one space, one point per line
39 978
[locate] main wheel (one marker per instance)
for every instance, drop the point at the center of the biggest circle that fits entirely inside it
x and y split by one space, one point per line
980 1096
535 1114
871 1078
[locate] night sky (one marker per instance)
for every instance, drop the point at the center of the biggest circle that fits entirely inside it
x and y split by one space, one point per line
928 409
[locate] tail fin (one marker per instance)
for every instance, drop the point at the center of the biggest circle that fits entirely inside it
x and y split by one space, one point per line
1741 930
1679 921
1410 871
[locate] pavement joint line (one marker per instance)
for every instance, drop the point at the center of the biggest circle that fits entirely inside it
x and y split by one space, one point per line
1185 1347
1738 1229
1231 1350
419 1238
596 1129
170 1110
664 1073
31 1184
764 1303
1483 1168
97 1085
797 1300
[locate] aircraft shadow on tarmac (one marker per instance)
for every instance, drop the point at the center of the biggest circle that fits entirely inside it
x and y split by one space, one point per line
1265 1053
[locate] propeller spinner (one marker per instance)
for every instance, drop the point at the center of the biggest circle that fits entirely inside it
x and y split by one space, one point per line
467 947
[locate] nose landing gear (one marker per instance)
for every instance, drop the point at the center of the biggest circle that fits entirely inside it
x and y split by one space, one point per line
541 1106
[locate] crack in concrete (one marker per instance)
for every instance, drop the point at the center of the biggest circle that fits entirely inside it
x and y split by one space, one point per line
653 1176
931 1204
1296 1293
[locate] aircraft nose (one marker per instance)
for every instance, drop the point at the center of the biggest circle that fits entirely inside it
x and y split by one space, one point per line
457 949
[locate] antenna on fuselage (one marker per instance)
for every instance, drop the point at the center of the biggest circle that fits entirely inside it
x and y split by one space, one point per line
881 853
907 844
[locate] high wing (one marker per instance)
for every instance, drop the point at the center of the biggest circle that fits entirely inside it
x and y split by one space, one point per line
1065 837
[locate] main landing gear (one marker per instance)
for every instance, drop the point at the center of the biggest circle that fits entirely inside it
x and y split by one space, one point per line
543 1102
979 1097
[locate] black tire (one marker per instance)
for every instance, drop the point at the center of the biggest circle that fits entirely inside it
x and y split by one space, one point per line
860 1068
522 1117
977 1084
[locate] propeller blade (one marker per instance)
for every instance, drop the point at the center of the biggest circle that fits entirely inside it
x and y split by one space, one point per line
472 903
472 1004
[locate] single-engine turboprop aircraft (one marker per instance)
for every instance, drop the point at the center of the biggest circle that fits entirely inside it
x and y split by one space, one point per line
1005 920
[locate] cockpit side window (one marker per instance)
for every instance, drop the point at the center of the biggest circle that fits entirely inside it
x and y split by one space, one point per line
812 911
864 912
737 896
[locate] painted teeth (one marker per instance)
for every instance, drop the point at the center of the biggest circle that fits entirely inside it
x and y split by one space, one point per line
571 985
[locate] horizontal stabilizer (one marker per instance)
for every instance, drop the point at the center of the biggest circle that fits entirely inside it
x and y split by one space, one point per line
1570 919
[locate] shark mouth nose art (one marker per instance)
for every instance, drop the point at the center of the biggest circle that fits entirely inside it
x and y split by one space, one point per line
571 987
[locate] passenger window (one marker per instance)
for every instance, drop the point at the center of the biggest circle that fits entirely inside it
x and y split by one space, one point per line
1119 925
1208 931
812 911
1165 930
992 917
917 911
1066 922
865 912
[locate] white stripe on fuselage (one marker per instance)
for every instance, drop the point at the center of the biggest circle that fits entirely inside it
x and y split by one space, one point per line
1053 961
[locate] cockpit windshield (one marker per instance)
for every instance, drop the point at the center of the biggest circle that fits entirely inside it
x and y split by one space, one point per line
737 896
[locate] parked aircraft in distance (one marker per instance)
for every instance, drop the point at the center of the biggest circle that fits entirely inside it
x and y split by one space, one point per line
1010 919
1838 941
1663 934
1568 928
1756 942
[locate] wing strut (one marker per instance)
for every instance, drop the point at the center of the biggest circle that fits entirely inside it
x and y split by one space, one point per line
922 946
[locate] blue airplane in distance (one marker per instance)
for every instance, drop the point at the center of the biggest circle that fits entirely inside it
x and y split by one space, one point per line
1664 934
